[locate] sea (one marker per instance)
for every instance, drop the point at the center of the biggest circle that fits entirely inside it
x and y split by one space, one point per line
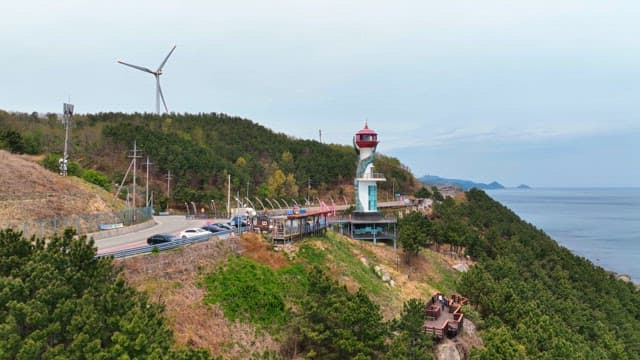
600 224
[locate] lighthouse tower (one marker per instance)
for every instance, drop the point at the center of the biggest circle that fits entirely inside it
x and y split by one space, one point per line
365 185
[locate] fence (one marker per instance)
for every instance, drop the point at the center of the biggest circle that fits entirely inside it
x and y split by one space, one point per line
82 223
164 246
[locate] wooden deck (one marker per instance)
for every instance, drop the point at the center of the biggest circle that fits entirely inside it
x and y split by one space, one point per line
444 321
298 225
441 321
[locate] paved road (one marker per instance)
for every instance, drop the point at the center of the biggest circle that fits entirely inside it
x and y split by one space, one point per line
174 224
165 224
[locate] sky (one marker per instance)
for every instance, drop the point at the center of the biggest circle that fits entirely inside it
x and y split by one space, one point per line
537 92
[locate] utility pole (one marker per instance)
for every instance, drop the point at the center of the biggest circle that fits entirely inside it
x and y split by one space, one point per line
320 132
135 156
168 188
229 197
146 195
308 188
238 216
247 188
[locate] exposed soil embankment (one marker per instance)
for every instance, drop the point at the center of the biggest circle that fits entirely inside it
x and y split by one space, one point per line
30 192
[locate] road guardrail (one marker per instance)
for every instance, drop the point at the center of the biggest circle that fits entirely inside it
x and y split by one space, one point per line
145 249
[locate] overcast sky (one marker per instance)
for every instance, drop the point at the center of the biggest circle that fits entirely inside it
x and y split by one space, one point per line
538 92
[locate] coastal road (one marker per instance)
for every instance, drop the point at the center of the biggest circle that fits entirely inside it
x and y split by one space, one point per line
172 224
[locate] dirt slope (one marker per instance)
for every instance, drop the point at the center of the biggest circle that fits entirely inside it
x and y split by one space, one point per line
172 277
28 192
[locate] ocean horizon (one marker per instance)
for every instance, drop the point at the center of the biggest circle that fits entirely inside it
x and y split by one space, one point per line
601 224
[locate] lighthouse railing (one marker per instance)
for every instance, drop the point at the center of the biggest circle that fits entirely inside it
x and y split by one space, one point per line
372 175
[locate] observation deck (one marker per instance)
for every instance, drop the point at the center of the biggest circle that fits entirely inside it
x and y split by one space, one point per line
372 176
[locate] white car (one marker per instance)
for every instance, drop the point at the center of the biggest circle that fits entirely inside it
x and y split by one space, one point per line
193 232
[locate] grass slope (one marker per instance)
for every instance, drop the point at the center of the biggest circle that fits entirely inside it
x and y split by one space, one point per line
235 296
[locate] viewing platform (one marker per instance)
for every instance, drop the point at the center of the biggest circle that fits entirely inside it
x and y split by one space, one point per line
443 318
286 228
372 176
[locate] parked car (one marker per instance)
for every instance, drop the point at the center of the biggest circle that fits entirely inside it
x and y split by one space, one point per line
213 228
225 226
161 238
238 221
193 232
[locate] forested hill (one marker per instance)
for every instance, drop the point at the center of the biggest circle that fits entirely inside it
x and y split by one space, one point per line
539 300
464 184
200 150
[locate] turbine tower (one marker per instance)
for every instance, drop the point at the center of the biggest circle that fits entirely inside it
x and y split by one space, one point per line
156 74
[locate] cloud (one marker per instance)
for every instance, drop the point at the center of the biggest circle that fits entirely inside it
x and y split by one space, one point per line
506 135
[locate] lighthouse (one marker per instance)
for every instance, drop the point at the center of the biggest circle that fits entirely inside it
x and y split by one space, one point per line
365 185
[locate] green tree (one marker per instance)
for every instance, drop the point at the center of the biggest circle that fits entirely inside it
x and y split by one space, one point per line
97 178
423 193
59 301
287 164
290 186
335 324
410 341
12 141
276 183
436 194
414 234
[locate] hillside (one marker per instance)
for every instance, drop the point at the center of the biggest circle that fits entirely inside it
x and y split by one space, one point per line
465 185
201 150
29 192
177 279
539 300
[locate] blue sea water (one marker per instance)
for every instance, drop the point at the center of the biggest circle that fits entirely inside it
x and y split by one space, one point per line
601 224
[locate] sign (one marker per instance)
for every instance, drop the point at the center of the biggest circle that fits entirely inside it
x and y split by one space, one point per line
110 226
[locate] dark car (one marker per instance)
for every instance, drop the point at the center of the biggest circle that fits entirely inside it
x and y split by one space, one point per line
213 228
238 221
161 238
224 226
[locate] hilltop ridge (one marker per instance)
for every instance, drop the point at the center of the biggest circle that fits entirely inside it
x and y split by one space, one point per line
463 184
201 151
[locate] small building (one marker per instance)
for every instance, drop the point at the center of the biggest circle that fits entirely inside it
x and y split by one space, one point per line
296 225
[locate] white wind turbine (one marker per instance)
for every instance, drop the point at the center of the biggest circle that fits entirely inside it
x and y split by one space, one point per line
156 74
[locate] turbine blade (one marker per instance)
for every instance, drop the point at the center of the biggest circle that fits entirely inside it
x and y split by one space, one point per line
137 67
162 97
165 59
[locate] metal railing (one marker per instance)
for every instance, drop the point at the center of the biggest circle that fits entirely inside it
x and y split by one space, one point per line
145 249
372 175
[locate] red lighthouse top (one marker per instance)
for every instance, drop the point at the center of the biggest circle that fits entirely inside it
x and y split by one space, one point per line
366 138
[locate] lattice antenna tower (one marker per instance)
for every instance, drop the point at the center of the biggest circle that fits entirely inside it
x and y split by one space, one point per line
63 163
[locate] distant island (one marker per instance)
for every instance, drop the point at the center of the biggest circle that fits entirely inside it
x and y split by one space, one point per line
465 185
